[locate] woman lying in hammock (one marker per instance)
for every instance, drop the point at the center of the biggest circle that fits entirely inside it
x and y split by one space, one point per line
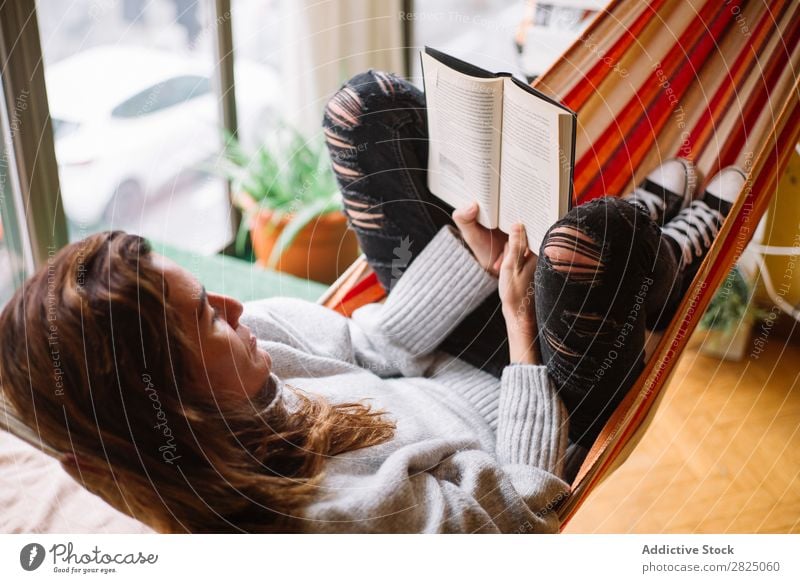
455 406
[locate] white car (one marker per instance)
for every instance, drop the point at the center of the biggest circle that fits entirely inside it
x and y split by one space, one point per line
127 120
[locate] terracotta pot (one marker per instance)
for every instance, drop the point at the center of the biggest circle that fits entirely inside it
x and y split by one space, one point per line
322 251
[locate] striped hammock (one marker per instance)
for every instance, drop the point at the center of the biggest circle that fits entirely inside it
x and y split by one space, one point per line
715 82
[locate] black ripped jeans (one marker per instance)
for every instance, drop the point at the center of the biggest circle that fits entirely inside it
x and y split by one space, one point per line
605 273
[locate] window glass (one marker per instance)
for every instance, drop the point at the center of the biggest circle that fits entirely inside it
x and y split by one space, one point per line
478 31
261 32
163 95
519 36
62 127
11 264
136 125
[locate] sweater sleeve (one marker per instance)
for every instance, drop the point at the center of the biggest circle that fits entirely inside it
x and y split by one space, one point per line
440 287
439 486
454 486
532 420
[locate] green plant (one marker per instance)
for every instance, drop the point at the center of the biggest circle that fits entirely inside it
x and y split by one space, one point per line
730 305
287 174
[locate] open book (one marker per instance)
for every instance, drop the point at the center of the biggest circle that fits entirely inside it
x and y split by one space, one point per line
497 140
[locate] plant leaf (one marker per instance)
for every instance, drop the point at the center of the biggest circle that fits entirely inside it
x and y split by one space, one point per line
288 174
242 233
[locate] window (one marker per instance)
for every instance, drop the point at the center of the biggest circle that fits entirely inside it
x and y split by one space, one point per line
162 96
62 127
520 36
481 31
136 114
136 124
11 262
261 31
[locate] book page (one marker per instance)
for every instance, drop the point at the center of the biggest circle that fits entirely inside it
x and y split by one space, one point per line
529 169
464 129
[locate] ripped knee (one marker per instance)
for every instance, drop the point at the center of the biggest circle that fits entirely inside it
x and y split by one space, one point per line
557 345
343 113
347 105
362 214
345 108
573 253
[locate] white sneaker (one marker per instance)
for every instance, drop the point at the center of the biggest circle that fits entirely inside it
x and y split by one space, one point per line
695 227
667 190
723 190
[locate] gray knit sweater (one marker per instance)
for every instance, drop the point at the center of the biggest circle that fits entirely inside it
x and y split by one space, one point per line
471 453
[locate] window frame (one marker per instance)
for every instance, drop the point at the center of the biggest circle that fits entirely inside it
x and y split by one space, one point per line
42 225
31 150
15 235
224 85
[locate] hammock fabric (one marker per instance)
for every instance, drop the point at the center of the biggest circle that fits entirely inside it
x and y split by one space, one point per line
713 82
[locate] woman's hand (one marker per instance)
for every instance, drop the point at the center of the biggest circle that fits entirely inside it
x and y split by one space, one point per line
486 244
516 288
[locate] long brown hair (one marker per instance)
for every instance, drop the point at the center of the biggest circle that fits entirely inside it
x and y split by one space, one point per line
92 358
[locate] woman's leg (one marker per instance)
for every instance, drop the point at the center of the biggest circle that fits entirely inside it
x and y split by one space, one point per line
605 274
376 133
376 130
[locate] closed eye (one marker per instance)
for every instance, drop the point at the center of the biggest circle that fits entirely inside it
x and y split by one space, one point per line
204 306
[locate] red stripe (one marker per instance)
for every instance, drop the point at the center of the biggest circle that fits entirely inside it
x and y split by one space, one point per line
703 129
367 282
588 167
756 104
588 84
370 295
625 159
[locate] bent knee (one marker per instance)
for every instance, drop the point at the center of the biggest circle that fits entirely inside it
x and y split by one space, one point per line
366 91
573 253
344 109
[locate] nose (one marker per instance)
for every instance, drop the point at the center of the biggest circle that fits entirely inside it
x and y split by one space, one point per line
229 308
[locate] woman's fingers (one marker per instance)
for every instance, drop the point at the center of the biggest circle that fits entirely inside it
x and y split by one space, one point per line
499 262
485 244
521 245
523 238
507 258
466 216
517 243
516 294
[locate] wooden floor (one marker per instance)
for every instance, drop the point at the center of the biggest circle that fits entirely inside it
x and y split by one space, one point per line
722 454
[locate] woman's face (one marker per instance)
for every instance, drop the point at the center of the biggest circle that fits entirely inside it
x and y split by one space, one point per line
230 363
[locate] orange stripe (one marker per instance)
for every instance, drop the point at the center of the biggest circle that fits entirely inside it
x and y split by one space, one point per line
590 165
577 97
625 159
704 128
756 103
370 295
355 294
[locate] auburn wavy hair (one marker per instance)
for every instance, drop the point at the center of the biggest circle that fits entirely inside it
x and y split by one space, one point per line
90 351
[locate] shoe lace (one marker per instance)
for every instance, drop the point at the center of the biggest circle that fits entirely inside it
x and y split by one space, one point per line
652 203
694 229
